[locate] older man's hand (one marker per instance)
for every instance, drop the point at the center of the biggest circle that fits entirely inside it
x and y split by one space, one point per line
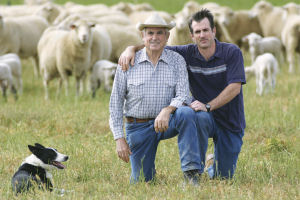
161 123
123 149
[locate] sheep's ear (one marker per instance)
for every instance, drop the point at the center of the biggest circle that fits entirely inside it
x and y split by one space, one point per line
72 26
91 25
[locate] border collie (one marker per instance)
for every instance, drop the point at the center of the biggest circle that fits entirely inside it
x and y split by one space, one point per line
36 168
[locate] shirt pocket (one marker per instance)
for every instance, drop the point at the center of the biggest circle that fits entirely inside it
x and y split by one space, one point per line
136 88
169 87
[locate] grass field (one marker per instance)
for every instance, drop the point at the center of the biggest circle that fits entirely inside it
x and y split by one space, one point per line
268 166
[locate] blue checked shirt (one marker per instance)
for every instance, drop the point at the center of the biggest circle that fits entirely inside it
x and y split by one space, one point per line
144 90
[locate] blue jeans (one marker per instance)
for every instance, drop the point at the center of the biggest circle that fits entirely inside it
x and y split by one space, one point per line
143 141
227 145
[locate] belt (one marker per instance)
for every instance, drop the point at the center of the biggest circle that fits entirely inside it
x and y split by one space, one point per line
137 120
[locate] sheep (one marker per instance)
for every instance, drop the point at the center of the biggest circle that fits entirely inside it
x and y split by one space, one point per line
6 81
101 45
128 8
49 11
20 35
292 8
259 45
14 62
36 2
271 18
63 53
103 73
121 37
18 10
179 34
290 37
265 69
236 24
141 16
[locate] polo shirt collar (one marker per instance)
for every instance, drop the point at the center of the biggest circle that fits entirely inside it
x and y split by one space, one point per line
144 57
218 52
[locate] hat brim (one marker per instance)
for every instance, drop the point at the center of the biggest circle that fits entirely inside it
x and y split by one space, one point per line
169 26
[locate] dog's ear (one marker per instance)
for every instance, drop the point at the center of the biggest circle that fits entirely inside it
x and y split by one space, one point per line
39 146
33 149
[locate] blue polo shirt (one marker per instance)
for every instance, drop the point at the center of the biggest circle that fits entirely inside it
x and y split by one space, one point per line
209 78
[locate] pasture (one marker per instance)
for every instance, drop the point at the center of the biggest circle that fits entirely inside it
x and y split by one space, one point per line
268 165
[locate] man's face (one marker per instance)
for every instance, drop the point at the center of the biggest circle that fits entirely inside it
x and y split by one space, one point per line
155 39
202 34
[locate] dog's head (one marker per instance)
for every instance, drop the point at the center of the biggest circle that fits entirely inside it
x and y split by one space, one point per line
48 156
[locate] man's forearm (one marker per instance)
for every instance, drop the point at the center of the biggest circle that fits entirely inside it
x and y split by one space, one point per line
231 91
136 48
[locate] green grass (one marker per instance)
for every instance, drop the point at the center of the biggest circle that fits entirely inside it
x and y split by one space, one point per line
268 166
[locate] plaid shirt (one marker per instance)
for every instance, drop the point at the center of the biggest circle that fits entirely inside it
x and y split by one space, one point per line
147 89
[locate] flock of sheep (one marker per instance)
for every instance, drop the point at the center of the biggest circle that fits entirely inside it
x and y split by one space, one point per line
87 40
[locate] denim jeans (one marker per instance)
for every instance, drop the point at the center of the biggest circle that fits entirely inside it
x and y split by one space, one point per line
143 141
227 145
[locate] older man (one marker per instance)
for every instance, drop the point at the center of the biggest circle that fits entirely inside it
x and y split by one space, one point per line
152 94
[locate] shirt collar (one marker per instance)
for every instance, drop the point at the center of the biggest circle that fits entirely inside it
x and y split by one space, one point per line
144 57
218 52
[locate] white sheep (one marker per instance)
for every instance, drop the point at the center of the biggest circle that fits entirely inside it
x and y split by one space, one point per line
236 24
14 62
271 18
121 37
259 45
265 69
49 11
290 37
36 2
103 73
6 81
101 45
20 35
128 8
63 53
179 35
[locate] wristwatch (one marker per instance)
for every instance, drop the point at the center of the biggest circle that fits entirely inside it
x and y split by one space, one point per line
207 106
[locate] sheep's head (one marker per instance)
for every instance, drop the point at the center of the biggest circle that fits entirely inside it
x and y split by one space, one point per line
1 21
224 15
261 7
253 39
83 30
249 72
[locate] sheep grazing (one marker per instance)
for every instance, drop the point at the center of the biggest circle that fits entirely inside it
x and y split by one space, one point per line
265 69
6 81
259 45
14 62
63 53
290 38
103 73
20 35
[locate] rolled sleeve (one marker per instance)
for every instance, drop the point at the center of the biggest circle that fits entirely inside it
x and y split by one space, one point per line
182 84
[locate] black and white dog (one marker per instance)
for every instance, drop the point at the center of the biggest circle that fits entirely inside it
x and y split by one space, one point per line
36 168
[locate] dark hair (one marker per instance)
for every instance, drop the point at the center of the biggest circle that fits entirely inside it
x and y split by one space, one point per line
199 16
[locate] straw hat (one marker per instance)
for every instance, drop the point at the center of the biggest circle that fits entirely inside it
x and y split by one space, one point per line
155 21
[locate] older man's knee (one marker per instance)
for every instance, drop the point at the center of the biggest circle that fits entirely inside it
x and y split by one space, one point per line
185 112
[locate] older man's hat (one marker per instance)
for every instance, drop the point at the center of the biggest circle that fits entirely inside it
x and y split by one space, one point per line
155 21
